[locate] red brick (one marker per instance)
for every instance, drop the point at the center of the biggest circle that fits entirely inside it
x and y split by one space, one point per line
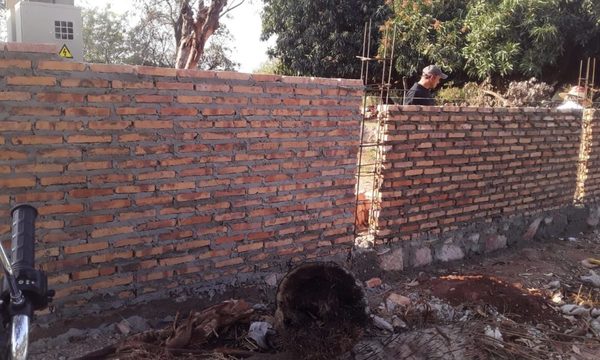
31 80
136 111
174 86
194 99
110 231
112 68
117 84
61 180
110 204
39 168
108 257
87 111
84 83
134 189
37 111
228 262
178 111
153 124
112 282
91 220
153 99
60 65
15 125
156 175
197 244
37 140
249 247
15 63
17 182
154 200
111 178
12 155
108 98
34 197
89 139
60 209
86 274
192 196
59 125
89 165
217 111
14 96
60 153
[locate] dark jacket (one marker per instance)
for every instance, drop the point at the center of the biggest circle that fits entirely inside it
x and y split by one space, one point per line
418 95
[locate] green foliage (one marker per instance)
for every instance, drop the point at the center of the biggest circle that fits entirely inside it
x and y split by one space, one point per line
479 39
320 37
103 36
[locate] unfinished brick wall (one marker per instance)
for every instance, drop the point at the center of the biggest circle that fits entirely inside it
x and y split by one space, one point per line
589 168
447 167
147 179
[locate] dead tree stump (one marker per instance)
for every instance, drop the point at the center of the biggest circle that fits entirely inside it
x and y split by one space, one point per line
321 310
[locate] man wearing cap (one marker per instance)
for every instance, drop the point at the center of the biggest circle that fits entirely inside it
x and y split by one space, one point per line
573 99
420 92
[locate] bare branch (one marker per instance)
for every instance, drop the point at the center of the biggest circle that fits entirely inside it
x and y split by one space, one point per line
229 8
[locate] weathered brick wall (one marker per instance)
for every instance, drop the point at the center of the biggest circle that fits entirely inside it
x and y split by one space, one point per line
447 167
147 179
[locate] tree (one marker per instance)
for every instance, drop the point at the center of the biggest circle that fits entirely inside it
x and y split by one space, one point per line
152 41
320 37
497 39
104 36
190 32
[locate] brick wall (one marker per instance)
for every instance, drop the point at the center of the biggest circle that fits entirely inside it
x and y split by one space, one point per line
149 179
589 168
447 167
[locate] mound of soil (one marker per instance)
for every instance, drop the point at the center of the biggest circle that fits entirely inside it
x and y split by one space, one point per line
509 300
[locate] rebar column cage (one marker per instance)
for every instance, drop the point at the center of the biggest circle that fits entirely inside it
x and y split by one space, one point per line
371 149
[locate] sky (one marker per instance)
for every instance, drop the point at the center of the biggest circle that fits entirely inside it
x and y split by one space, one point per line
244 24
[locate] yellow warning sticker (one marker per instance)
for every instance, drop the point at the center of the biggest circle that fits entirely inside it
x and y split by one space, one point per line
65 52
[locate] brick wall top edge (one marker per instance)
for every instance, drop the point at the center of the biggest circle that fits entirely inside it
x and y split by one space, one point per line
30 48
170 72
471 109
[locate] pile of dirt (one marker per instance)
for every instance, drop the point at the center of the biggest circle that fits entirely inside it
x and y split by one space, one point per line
509 300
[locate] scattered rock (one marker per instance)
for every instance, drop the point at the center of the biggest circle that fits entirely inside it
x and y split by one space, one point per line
394 300
374 282
259 332
381 323
271 280
592 279
554 284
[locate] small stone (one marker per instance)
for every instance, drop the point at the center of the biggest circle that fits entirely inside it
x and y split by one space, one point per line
394 300
124 328
554 284
382 324
374 282
397 323
271 280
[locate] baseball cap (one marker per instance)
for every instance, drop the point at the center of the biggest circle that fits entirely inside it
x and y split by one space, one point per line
434 70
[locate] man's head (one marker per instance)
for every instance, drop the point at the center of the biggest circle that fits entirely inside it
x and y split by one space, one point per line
431 76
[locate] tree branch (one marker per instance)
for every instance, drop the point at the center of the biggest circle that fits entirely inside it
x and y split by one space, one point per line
229 8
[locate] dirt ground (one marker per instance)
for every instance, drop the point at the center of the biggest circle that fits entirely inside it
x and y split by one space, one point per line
525 302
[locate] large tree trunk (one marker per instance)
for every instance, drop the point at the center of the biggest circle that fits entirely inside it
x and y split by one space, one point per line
195 32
